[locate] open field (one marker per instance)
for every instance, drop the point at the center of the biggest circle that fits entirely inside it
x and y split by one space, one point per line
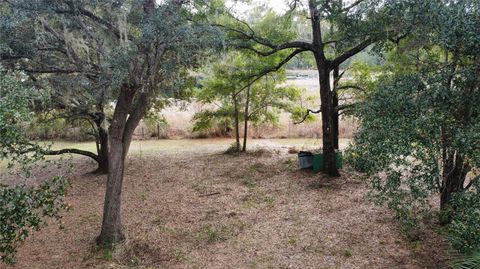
188 205
203 145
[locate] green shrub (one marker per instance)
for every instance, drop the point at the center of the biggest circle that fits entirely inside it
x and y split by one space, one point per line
464 230
23 209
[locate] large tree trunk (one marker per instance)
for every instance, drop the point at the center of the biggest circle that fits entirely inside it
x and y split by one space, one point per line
330 166
237 123
111 232
245 130
327 109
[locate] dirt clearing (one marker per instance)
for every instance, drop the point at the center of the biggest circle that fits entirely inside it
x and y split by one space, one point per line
204 209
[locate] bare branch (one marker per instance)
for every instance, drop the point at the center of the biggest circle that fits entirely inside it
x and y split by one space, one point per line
337 79
472 181
277 48
73 151
308 113
354 4
274 47
270 70
358 48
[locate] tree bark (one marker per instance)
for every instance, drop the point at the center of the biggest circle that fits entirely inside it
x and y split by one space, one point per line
111 232
455 170
237 123
336 132
103 151
323 68
245 130
455 166
102 138
330 166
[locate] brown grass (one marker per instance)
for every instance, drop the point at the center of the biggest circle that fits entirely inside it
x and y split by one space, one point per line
211 210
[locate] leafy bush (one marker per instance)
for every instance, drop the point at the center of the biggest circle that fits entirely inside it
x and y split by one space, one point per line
419 132
23 209
464 230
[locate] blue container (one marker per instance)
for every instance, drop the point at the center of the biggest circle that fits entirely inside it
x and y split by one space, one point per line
305 159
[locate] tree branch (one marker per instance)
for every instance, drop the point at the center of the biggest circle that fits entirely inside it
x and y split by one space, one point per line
340 59
52 70
308 113
269 70
473 181
73 151
101 21
274 47
356 3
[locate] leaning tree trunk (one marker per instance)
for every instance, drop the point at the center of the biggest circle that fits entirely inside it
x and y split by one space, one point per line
245 130
330 166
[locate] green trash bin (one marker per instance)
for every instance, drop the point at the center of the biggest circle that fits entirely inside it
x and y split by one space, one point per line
318 161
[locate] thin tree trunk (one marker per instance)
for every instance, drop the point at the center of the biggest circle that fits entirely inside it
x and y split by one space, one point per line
102 137
335 108
455 170
103 151
245 131
237 123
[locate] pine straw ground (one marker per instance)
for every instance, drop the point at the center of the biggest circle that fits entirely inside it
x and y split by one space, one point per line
211 210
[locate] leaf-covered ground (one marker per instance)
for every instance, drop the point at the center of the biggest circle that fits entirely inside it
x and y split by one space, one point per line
187 205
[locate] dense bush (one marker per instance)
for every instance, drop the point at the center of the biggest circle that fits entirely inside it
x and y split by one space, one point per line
420 133
464 230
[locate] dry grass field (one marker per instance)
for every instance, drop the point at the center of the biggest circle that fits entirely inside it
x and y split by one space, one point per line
188 205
